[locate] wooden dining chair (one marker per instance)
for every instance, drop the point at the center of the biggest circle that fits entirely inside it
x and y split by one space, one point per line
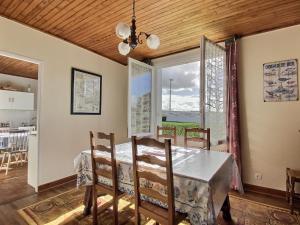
202 136
164 216
23 146
108 170
292 177
167 133
17 146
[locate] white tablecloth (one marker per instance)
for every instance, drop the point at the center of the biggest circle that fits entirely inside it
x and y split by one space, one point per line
202 179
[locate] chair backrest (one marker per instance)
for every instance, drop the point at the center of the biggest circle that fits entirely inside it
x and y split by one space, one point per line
166 133
109 165
4 131
17 141
197 135
149 176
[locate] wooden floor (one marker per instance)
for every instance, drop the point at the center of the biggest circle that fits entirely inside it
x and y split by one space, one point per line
14 185
275 201
16 194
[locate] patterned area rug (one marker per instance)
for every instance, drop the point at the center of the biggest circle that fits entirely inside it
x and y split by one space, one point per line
66 209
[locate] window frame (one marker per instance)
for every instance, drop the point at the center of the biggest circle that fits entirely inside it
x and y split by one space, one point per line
153 99
184 58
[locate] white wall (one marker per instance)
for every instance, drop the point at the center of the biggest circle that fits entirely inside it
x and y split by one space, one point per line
63 136
17 117
270 130
19 83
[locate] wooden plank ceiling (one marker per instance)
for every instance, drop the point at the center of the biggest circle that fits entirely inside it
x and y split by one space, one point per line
18 67
178 23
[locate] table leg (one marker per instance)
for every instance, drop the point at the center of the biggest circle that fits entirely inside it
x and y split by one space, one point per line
88 200
226 209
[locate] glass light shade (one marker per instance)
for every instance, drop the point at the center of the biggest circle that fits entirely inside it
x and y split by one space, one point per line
122 30
153 41
123 48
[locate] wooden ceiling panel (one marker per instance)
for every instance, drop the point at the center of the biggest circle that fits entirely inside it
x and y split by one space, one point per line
18 67
178 23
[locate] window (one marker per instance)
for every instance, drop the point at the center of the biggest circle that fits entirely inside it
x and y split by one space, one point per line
189 93
192 96
140 99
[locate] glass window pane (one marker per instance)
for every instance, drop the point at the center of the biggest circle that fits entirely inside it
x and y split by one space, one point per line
141 87
215 116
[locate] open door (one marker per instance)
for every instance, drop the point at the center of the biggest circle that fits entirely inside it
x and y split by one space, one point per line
141 99
213 89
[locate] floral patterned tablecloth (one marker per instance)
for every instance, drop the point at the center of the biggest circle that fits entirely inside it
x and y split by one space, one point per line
200 196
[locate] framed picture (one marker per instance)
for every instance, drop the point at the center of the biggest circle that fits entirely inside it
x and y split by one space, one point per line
85 92
281 81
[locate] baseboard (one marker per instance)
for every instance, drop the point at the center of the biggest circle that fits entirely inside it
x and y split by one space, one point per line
264 190
55 183
247 187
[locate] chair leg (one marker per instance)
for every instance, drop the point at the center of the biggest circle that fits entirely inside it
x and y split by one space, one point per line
21 158
292 195
115 209
2 161
287 189
17 155
8 163
137 218
95 206
26 157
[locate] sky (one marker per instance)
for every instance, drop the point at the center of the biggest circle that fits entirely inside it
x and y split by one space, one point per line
141 84
185 87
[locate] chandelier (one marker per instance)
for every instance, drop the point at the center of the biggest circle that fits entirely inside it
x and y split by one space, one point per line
131 39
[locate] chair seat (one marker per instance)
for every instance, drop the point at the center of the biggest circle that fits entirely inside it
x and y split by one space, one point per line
161 212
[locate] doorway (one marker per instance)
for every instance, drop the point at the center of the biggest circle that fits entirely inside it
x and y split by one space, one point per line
19 113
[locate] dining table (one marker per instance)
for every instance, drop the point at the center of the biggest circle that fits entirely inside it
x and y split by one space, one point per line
202 179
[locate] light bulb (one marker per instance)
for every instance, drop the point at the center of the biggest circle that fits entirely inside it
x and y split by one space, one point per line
122 30
123 48
153 41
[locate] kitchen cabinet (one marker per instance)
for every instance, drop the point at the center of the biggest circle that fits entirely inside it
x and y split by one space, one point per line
16 100
5 100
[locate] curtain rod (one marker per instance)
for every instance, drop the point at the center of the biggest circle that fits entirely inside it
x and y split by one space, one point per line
232 39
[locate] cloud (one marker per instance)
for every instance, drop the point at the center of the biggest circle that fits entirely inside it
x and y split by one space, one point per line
184 76
181 91
181 103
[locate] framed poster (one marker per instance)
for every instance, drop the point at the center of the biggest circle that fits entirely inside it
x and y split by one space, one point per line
281 81
85 92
